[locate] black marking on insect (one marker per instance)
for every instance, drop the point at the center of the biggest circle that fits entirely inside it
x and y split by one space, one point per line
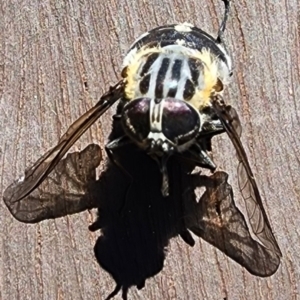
171 105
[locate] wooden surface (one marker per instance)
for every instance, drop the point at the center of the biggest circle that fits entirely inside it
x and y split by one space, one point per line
58 57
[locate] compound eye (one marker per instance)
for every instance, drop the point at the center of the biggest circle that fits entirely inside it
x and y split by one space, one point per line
167 121
181 121
135 119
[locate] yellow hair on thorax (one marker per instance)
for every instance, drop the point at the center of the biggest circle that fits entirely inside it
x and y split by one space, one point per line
209 77
202 95
131 68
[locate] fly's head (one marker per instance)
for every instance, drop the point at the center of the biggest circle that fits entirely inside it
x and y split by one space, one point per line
161 126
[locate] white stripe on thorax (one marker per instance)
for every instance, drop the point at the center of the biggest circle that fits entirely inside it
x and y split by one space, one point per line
185 74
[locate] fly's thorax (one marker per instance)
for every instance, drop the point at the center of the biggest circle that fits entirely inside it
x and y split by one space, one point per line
174 71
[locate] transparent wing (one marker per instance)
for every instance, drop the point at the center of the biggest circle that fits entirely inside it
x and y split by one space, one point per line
37 173
68 189
216 219
256 214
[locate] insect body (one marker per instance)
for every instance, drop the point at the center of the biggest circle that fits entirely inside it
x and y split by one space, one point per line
170 75
170 103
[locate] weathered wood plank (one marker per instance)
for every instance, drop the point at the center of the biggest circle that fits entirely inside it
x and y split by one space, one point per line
58 57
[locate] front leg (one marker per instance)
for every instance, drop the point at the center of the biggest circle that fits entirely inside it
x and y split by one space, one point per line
114 145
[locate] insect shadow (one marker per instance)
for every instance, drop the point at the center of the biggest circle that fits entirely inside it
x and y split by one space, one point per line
136 221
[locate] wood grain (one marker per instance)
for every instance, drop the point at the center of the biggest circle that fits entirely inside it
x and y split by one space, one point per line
58 57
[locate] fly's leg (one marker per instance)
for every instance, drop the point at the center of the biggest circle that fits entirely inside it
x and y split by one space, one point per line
198 152
110 148
114 145
201 157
